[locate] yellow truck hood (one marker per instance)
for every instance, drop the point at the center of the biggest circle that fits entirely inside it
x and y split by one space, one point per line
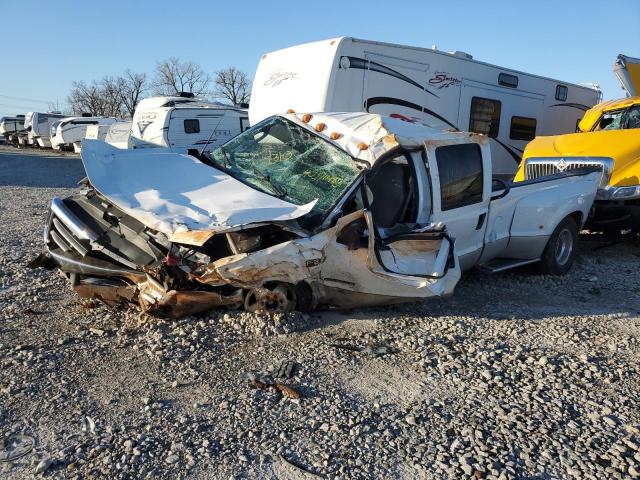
623 146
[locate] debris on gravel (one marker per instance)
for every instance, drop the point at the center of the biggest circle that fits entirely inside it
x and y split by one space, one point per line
514 376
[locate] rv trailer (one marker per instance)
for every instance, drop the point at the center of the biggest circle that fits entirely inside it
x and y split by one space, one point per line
69 132
38 127
118 135
442 90
11 127
184 122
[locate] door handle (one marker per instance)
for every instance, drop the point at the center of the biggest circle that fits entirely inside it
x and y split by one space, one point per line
481 221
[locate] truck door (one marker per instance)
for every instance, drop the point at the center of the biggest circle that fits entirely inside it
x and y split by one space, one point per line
394 86
461 178
509 117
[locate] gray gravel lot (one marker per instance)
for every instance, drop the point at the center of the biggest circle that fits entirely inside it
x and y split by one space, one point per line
515 376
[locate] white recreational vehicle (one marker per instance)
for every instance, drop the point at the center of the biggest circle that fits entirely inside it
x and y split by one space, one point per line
38 127
443 90
118 134
69 132
185 122
11 127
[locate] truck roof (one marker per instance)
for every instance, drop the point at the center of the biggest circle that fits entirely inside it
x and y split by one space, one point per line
378 134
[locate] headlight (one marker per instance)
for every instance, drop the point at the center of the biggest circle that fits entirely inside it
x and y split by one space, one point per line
619 193
625 192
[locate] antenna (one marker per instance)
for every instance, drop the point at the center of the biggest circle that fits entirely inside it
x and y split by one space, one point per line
211 136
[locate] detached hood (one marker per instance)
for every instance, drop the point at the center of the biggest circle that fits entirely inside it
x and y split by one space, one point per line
173 193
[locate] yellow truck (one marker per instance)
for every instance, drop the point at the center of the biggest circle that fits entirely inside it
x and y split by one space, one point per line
608 136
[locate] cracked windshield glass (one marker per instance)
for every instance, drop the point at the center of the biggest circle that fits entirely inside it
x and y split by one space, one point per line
284 160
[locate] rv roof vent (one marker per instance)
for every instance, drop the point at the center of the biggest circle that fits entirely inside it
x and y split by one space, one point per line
460 54
185 94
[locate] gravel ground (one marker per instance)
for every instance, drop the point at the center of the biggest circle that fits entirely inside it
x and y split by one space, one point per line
515 376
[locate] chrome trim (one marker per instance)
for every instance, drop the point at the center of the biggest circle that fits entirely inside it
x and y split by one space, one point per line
71 221
60 242
69 238
545 166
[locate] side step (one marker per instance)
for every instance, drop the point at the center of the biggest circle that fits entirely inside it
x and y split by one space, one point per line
501 264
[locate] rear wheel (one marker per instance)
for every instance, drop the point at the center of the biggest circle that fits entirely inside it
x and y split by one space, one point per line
560 252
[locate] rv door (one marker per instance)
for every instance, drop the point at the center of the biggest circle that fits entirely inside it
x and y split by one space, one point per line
393 86
511 118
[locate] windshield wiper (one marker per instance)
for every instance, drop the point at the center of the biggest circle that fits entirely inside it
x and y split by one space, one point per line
279 191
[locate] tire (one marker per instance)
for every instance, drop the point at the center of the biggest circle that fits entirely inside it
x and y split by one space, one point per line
560 252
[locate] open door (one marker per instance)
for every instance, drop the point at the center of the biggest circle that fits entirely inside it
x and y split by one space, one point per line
627 69
388 249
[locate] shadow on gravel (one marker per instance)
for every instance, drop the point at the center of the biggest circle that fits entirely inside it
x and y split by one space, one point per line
22 169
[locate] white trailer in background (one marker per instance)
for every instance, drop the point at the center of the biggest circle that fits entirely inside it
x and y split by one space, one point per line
38 127
118 134
185 122
70 131
442 90
11 127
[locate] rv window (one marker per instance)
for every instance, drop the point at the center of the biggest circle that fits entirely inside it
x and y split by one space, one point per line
485 116
561 93
522 128
507 80
191 126
460 171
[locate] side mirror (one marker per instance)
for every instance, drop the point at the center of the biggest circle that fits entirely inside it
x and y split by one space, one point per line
502 185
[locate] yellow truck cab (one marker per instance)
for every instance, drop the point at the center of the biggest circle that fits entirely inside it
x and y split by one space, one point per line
608 136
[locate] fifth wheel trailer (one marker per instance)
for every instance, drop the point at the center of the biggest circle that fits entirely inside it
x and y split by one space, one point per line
442 90
38 127
183 122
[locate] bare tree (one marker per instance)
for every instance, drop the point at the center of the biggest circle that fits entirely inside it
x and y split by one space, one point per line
233 85
132 87
87 98
173 76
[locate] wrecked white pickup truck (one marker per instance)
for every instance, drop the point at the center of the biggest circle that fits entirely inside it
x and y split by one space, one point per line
299 211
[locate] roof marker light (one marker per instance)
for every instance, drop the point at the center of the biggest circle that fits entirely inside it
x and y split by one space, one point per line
307 117
291 110
363 146
320 127
335 136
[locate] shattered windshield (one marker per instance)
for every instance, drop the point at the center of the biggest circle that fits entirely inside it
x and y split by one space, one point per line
288 162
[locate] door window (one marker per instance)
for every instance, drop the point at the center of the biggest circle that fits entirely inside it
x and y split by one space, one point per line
633 117
460 171
191 126
610 121
485 116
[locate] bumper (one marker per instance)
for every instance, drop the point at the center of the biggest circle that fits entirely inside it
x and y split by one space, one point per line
615 215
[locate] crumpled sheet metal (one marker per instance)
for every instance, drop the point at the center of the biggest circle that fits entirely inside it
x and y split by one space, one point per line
328 266
172 192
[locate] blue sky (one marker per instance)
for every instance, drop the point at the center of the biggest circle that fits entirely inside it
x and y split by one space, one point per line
57 42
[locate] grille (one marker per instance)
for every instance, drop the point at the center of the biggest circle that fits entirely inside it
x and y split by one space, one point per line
536 167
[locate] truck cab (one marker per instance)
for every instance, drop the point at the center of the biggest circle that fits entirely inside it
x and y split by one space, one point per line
607 138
